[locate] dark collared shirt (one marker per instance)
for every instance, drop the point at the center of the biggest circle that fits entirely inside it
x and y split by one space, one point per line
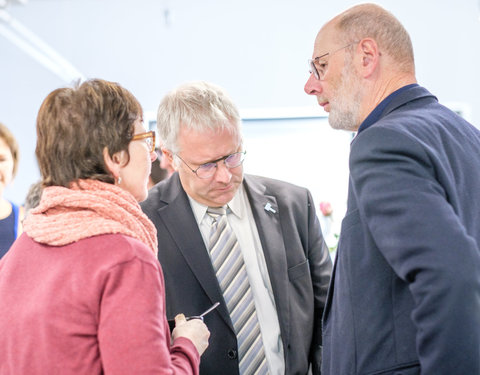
375 115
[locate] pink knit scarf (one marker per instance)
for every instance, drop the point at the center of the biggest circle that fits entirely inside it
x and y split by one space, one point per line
88 209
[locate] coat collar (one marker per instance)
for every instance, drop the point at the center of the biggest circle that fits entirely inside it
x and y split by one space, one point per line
393 101
177 215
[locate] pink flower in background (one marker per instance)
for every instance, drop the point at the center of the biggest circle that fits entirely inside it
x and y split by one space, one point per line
326 208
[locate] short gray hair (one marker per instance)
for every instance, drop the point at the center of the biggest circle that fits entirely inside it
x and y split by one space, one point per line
199 106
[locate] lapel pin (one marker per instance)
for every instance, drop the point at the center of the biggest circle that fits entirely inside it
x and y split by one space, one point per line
268 207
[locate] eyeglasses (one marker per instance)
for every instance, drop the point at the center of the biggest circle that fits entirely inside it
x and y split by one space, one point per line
149 139
208 169
318 67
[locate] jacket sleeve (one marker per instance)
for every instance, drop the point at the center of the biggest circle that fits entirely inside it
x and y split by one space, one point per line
321 271
133 332
422 238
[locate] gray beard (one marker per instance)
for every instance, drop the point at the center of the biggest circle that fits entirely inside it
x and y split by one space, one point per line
344 112
344 120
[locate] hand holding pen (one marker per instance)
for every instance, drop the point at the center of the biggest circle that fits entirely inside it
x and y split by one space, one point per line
194 329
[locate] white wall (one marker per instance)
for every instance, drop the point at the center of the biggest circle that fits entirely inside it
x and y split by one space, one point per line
256 49
305 152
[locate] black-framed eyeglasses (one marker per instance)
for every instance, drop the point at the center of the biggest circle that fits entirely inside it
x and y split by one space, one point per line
319 67
149 138
208 169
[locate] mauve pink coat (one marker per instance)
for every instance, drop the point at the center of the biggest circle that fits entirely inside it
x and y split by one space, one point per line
96 306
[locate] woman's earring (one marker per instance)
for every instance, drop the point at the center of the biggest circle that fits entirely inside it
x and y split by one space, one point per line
119 180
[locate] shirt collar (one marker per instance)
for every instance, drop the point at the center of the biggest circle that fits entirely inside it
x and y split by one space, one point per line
377 113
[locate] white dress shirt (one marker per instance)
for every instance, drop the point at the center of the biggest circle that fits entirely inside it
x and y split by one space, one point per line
240 218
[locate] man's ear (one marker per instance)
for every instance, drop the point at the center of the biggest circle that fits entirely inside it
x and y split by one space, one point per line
369 56
168 154
115 162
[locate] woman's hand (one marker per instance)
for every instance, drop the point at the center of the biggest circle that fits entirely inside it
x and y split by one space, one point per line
195 330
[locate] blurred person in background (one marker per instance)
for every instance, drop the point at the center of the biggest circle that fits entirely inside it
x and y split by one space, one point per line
81 290
165 162
33 196
11 215
161 169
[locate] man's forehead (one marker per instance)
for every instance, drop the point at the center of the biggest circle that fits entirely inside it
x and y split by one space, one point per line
322 45
325 40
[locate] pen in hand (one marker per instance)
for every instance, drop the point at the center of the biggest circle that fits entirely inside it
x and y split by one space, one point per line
215 305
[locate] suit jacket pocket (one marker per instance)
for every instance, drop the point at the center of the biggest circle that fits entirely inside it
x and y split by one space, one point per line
298 271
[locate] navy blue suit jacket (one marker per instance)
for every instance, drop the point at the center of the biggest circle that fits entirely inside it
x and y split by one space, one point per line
297 259
405 292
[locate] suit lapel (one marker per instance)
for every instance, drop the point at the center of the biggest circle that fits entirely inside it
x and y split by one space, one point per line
178 217
267 219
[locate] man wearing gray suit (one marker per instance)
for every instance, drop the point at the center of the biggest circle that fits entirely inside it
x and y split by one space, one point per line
271 321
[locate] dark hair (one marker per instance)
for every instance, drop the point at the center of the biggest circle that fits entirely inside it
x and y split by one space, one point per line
12 143
34 195
75 125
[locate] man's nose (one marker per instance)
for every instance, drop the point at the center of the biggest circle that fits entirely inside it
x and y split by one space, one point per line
313 86
223 173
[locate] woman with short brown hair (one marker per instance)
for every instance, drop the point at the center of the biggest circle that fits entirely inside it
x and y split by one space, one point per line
82 290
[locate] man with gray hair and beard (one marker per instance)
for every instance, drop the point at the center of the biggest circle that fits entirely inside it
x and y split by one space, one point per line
405 293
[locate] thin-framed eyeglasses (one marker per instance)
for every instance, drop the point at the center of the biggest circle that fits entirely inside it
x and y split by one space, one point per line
207 170
149 138
319 67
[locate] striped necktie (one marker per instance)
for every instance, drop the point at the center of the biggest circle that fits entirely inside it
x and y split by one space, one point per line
227 260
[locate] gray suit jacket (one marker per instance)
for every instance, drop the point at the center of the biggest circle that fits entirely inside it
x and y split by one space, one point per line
298 263
405 293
